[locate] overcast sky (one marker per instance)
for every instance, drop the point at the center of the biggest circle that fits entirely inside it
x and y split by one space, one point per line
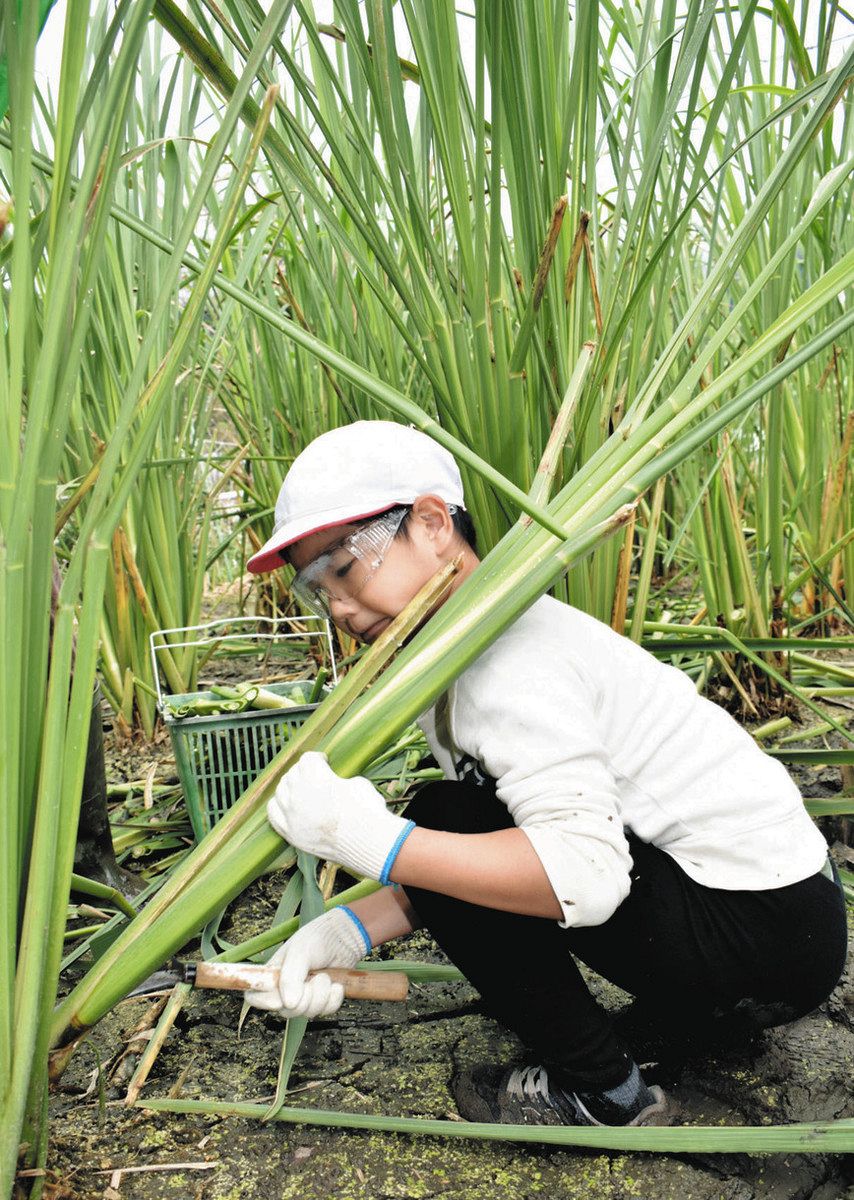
49 51
50 45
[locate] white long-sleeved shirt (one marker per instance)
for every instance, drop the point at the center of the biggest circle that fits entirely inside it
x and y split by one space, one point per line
586 735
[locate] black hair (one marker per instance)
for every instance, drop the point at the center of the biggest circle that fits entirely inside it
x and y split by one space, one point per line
464 526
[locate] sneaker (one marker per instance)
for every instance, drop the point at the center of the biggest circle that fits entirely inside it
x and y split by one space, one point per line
527 1096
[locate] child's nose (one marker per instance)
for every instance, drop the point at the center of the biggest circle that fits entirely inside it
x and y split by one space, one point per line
340 608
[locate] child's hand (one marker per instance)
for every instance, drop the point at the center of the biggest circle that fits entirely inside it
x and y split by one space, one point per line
332 940
344 820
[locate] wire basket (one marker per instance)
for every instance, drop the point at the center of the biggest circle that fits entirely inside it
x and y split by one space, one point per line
219 755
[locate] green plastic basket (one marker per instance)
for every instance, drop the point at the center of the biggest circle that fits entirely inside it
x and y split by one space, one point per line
218 756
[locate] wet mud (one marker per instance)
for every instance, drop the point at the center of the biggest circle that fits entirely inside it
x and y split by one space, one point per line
397 1059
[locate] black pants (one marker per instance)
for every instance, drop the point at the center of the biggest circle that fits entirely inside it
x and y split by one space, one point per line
696 955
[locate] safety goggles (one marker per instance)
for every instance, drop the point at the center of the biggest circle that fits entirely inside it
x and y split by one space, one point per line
345 568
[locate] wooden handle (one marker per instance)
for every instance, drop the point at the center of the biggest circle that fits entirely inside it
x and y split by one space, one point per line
358 985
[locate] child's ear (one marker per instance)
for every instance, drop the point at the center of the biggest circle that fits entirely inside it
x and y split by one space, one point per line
434 513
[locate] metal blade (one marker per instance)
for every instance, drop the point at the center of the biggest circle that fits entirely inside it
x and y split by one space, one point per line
157 982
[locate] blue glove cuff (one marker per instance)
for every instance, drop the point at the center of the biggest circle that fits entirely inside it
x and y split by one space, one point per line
395 850
365 935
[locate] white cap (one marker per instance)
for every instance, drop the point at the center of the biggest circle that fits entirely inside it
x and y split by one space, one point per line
357 471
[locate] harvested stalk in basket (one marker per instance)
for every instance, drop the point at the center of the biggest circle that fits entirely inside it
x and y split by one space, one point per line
256 696
204 707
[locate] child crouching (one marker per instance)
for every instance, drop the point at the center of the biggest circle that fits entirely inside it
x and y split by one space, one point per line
594 805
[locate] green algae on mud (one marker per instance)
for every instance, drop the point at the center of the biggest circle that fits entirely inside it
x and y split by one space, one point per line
377 1059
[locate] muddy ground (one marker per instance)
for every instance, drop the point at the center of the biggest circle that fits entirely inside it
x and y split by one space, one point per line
397 1059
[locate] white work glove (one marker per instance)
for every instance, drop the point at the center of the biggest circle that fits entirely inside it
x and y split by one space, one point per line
331 940
344 820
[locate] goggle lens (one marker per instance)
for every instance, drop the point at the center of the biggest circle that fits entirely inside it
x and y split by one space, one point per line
342 571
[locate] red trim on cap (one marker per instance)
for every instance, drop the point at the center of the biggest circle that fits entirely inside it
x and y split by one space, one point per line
269 560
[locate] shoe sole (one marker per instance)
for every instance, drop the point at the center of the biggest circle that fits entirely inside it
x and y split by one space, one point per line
659 1113
655 1114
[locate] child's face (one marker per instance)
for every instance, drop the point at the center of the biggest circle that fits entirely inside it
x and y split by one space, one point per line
412 558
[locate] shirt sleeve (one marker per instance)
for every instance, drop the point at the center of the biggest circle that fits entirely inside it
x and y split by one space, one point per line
533 728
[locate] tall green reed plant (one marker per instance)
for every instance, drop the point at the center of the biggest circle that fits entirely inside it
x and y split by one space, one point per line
778 490
675 410
528 560
576 181
458 315
56 255
37 389
169 529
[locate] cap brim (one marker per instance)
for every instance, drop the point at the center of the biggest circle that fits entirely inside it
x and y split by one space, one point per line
269 557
